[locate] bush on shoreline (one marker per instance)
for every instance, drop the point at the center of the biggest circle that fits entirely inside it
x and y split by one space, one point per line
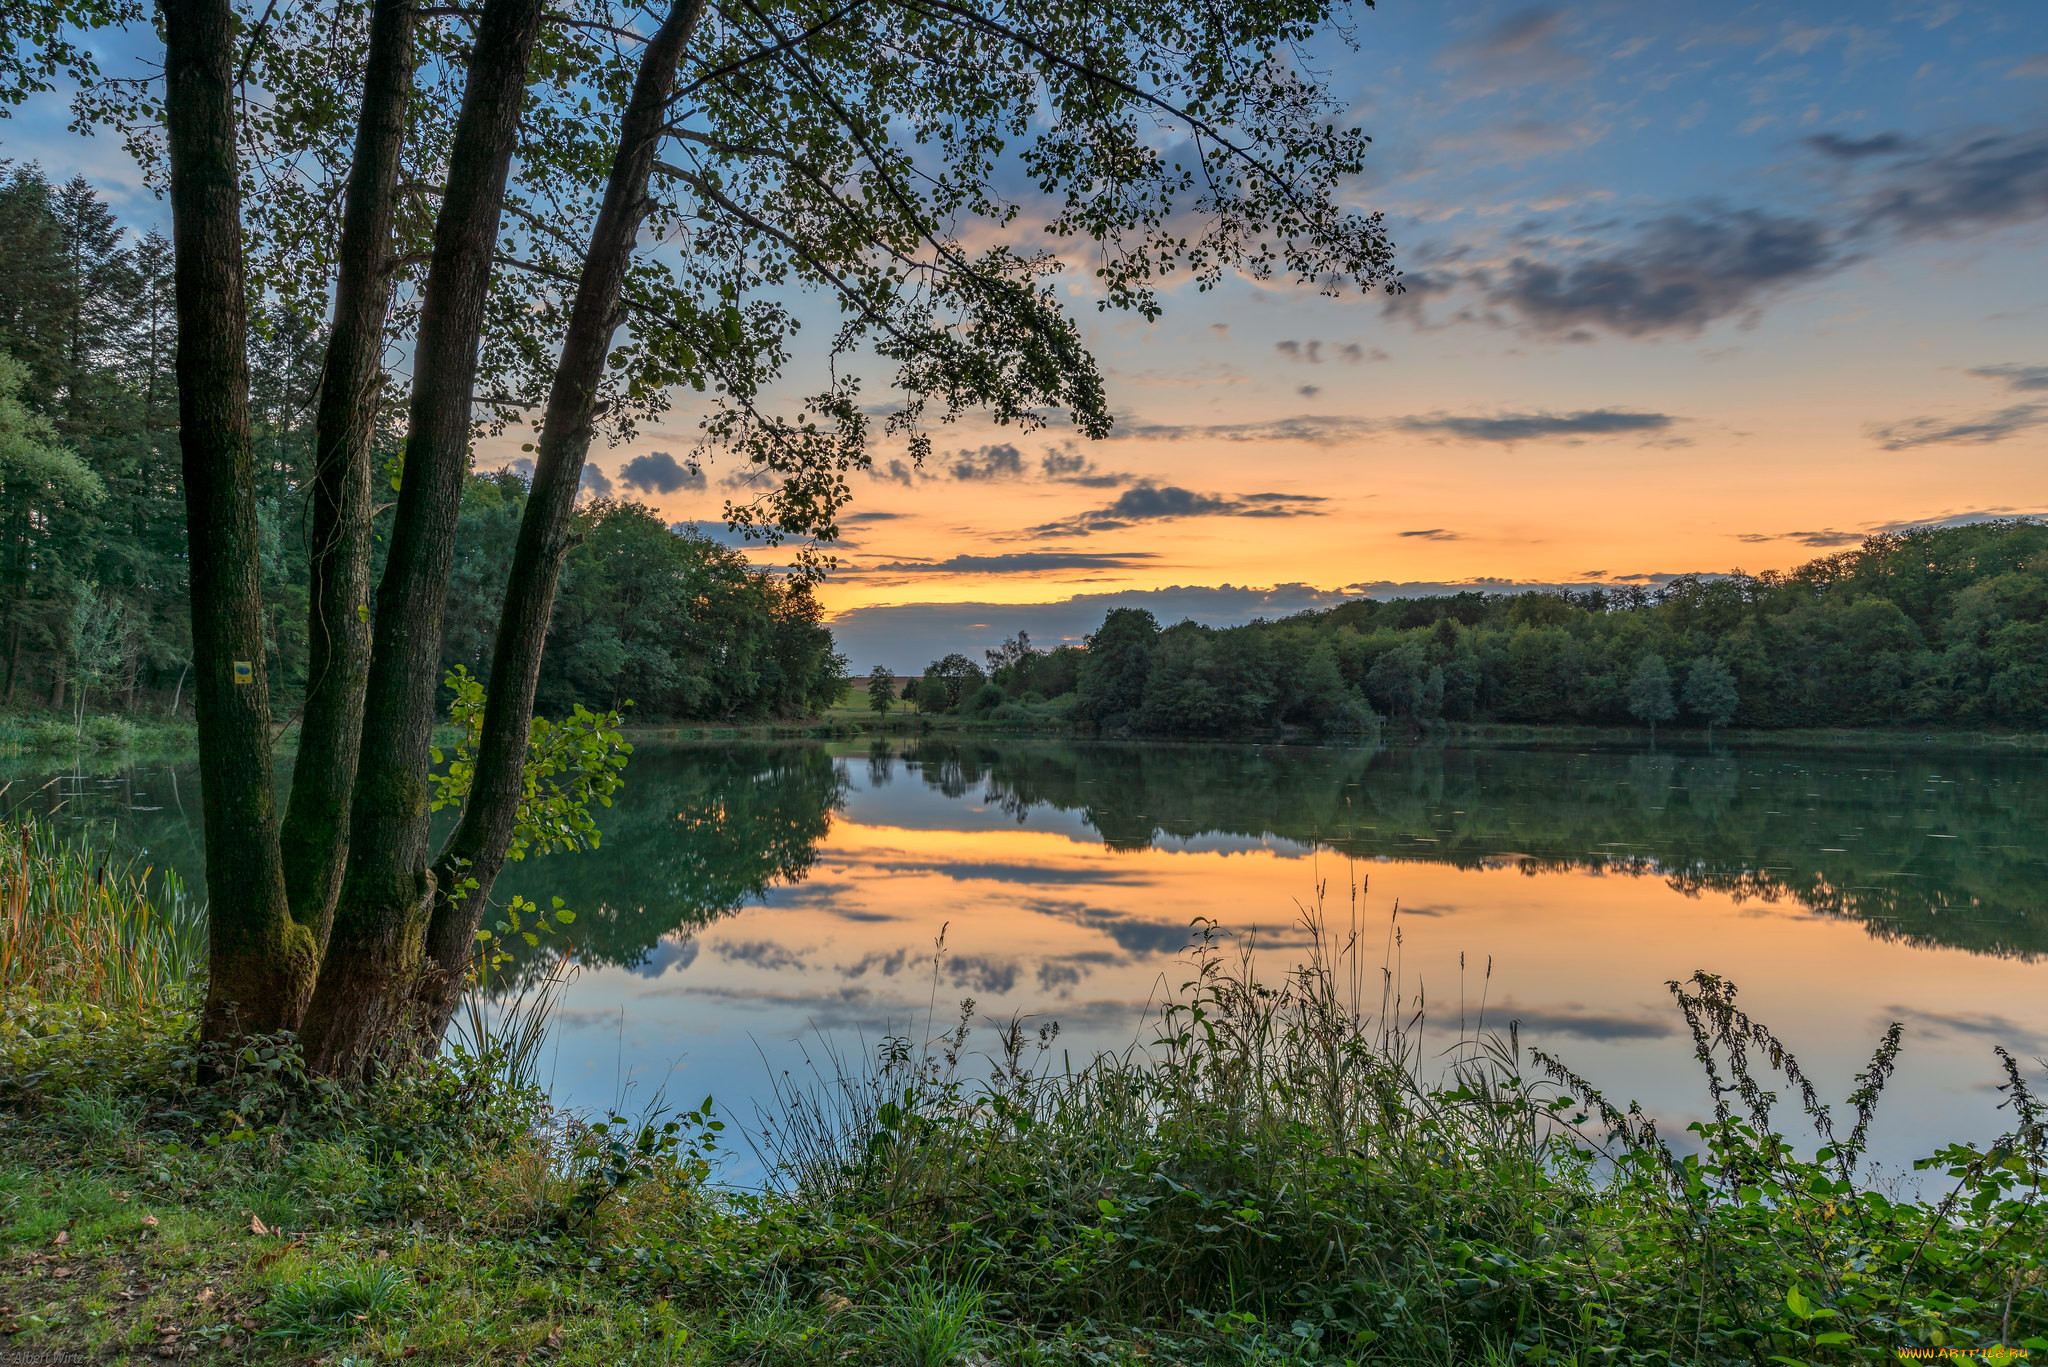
1275 1181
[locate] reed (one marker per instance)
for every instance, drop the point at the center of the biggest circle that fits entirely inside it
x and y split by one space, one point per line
81 927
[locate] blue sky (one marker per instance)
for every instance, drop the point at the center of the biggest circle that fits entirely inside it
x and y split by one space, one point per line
1691 288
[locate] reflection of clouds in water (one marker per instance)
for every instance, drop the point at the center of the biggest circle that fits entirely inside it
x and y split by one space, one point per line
1135 935
888 965
761 954
972 871
981 974
1571 1018
1993 1029
673 952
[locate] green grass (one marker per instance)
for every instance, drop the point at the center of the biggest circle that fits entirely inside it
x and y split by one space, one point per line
1279 1180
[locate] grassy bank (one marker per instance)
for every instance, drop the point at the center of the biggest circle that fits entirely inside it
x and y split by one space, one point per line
1278 1179
51 733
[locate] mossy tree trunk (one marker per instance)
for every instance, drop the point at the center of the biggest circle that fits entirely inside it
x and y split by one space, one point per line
316 823
262 960
476 852
375 949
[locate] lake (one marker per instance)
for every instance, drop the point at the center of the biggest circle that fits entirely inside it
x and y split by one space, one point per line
753 903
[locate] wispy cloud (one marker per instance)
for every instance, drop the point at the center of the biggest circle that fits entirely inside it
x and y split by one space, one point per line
1434 534
1979 430
1520 50
1511 427
1148 502
1017 562
2016 377
1855 149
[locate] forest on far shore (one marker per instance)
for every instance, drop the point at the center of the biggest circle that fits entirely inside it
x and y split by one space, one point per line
1931 626
94 610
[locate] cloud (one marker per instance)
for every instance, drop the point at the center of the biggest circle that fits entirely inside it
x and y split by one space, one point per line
1065 465
1510 427
1983 181
594 483
983 463
1830 537
1855 149
1310 351
1679 273
2019 377
1519 50
1981 430
1309 391
873 517
1148 502
1017 562
658 472
1434 534
2034 68
1312 431
895 472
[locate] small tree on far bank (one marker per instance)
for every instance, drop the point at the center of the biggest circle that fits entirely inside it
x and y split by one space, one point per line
1710 693
881 690
1649 693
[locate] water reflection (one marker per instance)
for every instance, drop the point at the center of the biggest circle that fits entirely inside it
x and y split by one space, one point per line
745 894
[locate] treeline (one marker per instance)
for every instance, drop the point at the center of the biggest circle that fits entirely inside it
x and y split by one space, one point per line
93 580
1930 626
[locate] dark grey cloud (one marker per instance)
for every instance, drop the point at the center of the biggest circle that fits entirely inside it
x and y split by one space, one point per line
1310 351
1065 465
1309 391
982 975
1980 430
1434 534
658 472
594 482
1001 461
1017 562
1521 49
873 517
1678 273
2018 377
1973 183
1829 537
1987 1026
1508 427
1148 502
1855 149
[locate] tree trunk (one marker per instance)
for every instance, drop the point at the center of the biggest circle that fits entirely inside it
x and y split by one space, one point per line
316 822
374 950
260 960
476 851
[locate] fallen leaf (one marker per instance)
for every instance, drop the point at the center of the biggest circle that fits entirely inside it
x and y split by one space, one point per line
63 1271
63 1237
256 1225
554 1338
206 1295
246 1323
149 1222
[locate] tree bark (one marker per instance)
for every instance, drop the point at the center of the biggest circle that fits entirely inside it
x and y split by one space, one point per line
375 948
316 822
260 959
476 850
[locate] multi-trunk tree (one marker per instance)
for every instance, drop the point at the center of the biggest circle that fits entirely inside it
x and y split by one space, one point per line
591 214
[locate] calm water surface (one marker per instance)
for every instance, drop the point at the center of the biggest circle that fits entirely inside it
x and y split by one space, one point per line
750 897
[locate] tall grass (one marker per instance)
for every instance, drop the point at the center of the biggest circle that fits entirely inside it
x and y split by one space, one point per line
76 927
1283 1175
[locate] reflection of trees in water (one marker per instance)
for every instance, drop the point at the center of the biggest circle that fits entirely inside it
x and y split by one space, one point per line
696 834
1939 850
